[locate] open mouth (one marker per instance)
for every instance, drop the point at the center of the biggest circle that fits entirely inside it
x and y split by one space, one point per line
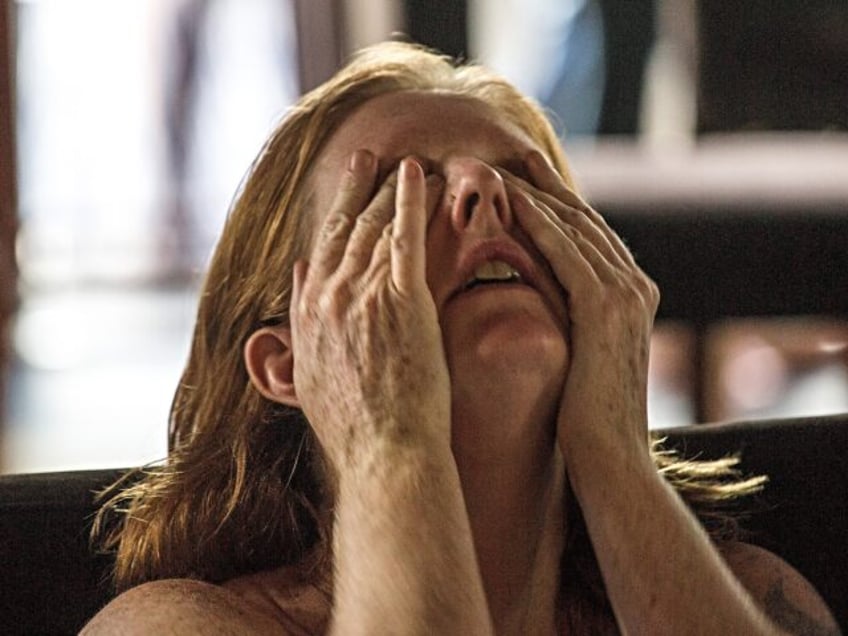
494 272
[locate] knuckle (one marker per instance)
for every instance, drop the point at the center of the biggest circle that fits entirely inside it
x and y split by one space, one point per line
333 302
571 232
654 292
371 305
401 244
326 304
302 311
648 289
335 223
357 252
368 222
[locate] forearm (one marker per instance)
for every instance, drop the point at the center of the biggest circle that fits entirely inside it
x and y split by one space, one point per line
404 555
662 573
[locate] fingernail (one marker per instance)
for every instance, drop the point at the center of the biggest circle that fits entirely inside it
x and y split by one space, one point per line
361 160
410 168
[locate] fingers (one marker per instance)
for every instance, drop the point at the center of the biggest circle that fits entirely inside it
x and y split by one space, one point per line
546 178
549 187
353 226
390 235
561 214
367 229
596 286
410 225
298 276
576 263
586 266
417 198
401 249
355 189
362 238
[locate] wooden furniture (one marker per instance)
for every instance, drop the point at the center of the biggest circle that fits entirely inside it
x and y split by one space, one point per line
733 226
320 40
8 205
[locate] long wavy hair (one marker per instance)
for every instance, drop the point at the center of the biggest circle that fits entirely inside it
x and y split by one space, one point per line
244 485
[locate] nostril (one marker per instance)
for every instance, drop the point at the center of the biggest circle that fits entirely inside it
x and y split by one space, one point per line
477 194
471 202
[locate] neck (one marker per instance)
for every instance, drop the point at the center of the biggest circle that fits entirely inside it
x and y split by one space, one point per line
514 496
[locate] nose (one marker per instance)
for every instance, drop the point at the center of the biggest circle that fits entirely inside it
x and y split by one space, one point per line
477 196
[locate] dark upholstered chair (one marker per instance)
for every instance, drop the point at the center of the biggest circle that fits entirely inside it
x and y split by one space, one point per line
50 582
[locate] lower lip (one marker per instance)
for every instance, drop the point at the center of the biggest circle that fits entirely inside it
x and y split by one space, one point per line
480 289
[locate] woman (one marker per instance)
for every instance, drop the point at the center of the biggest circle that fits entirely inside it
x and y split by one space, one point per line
415 400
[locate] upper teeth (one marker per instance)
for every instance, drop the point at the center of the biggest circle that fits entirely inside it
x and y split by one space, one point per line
494 270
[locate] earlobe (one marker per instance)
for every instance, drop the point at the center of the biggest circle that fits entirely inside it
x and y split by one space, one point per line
270 364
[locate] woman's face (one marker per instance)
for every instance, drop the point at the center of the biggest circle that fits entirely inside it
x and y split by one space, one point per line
497 301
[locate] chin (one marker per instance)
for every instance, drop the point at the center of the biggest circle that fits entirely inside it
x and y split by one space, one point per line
514 347
506 382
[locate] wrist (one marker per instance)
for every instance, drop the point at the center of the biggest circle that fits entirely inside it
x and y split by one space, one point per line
370 440
600 456
393 462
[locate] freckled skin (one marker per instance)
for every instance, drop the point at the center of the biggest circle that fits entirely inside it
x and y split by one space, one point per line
521 337
451 422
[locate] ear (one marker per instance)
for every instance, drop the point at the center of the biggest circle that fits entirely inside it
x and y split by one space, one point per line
270 364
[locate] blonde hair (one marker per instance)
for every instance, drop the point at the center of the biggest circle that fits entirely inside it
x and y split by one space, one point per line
244 487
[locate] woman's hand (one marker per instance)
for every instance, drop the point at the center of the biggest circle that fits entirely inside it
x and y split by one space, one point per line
369 362
661 573
371 376
612 304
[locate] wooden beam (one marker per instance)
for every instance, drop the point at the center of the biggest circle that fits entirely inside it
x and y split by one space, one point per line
439 24
8 195
733 227
320 41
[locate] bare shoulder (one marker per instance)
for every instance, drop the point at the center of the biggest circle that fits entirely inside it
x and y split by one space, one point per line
783 593
181 606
